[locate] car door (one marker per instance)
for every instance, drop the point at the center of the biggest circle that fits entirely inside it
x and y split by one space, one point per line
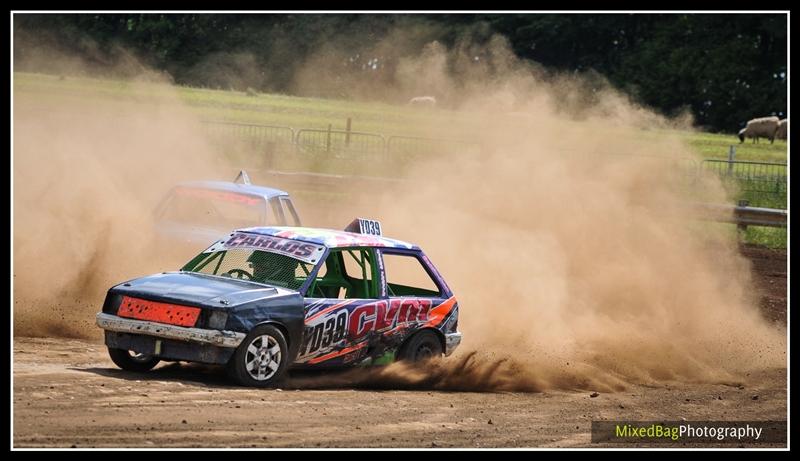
417 296
342 309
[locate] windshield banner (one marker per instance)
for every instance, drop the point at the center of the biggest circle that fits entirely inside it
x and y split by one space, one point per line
306 252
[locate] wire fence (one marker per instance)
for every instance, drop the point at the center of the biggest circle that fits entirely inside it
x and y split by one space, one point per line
331 142
249 131
759 183
340 143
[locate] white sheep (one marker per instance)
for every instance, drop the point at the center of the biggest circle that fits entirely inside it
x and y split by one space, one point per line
424 101
783 127
764 127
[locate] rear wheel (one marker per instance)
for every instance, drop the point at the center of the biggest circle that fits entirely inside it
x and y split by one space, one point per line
132 361
423 346
262 358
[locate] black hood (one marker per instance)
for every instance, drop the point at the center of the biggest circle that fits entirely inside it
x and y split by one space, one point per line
201 290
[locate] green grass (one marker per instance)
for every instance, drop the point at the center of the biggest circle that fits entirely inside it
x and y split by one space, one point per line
716 146
301 112
373 117
770 237
268 109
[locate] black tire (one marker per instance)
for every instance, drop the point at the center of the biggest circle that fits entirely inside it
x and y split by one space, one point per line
241 367
423 346
131 361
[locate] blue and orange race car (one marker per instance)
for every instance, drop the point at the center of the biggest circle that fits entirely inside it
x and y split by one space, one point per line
265 299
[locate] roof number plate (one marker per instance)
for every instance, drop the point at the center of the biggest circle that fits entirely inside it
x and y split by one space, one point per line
365 226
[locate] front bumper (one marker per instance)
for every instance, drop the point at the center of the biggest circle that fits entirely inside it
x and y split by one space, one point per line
219 338
451 342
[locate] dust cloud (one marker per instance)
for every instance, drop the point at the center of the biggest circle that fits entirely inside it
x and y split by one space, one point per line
563 235
88 175
567 240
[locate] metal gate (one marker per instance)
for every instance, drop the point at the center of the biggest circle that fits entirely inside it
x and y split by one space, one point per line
340 143
761 183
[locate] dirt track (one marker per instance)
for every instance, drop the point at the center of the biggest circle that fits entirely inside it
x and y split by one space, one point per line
769 267
68 393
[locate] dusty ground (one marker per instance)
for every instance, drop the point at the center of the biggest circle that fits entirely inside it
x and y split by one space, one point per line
67 393
769 266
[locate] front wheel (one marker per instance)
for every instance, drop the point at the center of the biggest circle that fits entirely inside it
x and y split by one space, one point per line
262 358
423 346
132 361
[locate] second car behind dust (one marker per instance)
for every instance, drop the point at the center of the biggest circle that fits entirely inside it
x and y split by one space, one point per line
196 212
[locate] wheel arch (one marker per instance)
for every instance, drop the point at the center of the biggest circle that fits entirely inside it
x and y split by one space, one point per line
282 328
292 342
436 331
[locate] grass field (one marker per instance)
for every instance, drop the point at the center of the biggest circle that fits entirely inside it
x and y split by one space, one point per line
372 117
299 112
272 109
716 146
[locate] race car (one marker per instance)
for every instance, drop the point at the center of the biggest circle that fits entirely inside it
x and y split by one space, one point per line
264 299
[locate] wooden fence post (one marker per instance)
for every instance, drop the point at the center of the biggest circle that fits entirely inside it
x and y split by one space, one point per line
328 141
731 157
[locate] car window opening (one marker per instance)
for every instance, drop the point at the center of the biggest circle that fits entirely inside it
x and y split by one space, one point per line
336 280
406 275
